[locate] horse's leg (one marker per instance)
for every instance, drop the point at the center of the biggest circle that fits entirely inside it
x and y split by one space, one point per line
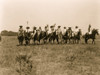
53 40
66 41
93 41
73 41
50 40
21 41
77 41
39 42
44 41
86 41
28 41
57 40
61 39
33 41
69 40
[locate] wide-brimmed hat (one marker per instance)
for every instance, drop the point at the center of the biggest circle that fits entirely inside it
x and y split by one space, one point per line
27 27
89 25
45 26
51 26
34 28
69 27
59 26
20 26
64 27
39 27
76 26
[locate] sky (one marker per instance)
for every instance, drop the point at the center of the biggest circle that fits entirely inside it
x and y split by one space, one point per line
69 13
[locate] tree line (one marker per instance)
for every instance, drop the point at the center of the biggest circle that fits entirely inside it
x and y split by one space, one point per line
8 33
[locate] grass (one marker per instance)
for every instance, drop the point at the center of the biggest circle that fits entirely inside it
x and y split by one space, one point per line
65 59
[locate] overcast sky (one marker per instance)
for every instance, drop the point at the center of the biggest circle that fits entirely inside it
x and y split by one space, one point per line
67 13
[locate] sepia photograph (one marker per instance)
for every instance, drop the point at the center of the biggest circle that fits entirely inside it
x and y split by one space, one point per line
49 37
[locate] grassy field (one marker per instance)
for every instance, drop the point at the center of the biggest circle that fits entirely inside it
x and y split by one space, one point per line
51 59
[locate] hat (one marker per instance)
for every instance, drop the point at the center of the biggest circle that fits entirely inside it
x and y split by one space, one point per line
76 27
89 25
69 27
27 27
20 26
45 26
64 27
59 26
51 26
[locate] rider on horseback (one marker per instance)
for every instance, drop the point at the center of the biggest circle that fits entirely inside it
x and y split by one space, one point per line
20 31
76 30
59 34
20 35
69 32
40 29
58 30
89 29
52 28
64 31
47 29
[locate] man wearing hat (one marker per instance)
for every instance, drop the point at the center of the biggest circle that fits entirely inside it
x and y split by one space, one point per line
20 31
69 31
89 29
59 30
40 29
52 28
59 33
76 30
47 29
64 31
27 29
34 31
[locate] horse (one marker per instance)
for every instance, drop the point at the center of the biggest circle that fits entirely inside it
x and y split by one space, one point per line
36 37
44 35
69 36
91 36
65 37
52 36
20 38
27 36
55 36
59 37
77 37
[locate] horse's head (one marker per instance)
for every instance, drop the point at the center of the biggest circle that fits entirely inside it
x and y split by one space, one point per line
95 31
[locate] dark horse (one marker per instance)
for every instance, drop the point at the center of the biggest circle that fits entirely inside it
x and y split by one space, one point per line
65 37
27 36
44 35
21 38
91 36
68 36
36 37
53 36
40 36
76 38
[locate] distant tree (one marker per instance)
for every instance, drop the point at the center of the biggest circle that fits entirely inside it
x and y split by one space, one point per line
8 33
